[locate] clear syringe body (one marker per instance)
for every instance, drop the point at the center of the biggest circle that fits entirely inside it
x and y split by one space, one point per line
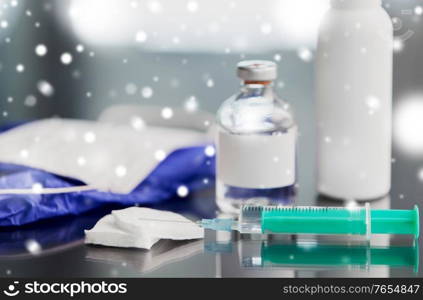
319 220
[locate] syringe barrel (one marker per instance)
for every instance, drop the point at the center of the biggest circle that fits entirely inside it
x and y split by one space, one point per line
328 220
314 220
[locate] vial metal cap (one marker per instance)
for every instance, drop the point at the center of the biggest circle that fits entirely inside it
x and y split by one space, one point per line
257 70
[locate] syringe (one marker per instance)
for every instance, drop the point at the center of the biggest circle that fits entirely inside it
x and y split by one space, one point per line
319 220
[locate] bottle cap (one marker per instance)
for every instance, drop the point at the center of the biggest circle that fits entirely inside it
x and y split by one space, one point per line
257 70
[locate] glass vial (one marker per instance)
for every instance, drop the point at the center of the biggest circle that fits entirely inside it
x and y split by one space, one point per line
256 143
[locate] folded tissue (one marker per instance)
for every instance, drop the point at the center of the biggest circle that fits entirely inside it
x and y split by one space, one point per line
141 227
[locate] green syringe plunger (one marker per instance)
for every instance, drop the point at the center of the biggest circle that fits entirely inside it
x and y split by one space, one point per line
320 220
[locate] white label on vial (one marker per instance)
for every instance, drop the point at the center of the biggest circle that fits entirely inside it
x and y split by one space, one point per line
256 161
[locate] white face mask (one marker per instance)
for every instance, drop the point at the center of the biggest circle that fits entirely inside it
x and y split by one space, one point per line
108 156
141 227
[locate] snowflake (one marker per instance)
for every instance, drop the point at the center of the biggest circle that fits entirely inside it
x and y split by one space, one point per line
182 191
41 50
66 58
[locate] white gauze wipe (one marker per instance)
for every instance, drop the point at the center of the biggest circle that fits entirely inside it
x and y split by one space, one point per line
105 156
141 227
164 224
106 233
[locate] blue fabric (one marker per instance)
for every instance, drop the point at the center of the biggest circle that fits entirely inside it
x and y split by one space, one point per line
185 166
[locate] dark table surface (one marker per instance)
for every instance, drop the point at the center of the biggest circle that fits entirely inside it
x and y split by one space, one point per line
221 254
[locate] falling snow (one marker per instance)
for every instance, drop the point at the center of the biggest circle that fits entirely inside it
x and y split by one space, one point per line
131 88
191 104
155 7
147 92
76 74
396 23
210 151
45 88
80 48
398 44
174 83
30 101
192 6
373 104
41 50
4 24
266 28
89 137
182 191
81 161
140 36
167 113
37 188
210 83
280 84
137 123
160 155
120 171
20 68
66 58
351 204
305 54
176 40
32 246
24 153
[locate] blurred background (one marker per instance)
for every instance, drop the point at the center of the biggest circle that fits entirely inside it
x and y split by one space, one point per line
74 58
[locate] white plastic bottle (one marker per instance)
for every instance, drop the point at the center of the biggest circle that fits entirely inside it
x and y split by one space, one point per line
256 142
354 100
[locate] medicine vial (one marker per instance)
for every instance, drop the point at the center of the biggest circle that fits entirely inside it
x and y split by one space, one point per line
354 100
256 143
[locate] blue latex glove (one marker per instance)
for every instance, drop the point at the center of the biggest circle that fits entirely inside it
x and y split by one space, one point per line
186 166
